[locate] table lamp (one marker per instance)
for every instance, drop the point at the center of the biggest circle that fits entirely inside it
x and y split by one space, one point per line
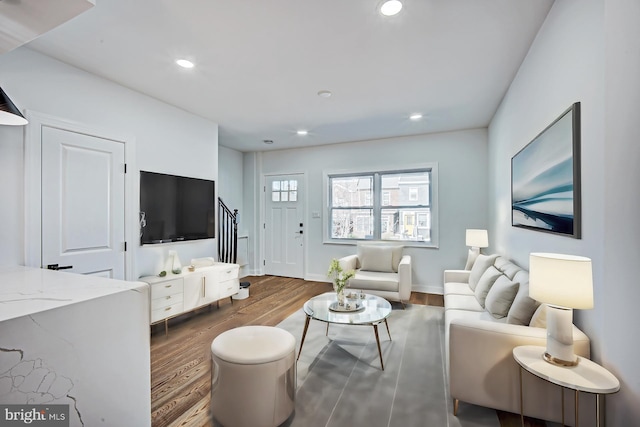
563 282
477 239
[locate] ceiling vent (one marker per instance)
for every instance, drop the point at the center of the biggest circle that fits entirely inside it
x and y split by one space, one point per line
23 20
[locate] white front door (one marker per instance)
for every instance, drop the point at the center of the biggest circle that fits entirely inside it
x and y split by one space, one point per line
284 225
83 212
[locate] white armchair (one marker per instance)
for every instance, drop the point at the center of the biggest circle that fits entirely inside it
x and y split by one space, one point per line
381 269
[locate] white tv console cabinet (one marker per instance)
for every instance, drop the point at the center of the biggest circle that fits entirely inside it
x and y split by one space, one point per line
176 294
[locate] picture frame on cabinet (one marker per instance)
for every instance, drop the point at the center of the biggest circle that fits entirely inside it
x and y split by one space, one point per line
545 179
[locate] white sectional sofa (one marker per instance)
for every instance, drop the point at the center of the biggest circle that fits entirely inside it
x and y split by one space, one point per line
381 269
488 312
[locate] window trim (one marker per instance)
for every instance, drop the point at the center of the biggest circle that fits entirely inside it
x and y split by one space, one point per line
434 205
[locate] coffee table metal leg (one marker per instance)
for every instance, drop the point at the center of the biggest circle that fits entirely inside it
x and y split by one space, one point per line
388 333
304 334
375 330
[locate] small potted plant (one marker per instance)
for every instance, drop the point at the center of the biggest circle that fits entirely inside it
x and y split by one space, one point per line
340 278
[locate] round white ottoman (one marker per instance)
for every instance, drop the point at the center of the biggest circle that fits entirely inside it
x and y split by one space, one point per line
253 376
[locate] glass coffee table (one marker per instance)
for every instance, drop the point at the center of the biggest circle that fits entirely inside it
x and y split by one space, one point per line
364 309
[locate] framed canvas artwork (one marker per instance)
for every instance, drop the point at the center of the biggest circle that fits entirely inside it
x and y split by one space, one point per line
545 178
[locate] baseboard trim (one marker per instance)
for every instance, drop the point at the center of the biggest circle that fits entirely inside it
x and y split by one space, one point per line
428 289
252 272
317 278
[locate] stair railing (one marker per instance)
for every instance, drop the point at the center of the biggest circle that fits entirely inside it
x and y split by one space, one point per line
227 233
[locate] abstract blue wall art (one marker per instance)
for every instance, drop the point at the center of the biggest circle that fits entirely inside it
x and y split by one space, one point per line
545 178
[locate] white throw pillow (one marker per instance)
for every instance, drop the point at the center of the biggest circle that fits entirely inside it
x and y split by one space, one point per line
471 258
539 318
501 296
479 267
396 256
523 305
507 267
485 283
376 258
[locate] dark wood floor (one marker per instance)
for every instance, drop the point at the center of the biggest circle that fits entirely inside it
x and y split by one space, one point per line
180 361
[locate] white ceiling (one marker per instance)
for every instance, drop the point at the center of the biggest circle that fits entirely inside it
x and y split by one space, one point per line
260 64
23 20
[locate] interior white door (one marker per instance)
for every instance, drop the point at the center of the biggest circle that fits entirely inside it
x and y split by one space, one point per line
284 225
83 212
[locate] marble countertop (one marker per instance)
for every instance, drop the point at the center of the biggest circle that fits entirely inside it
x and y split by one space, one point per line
26 290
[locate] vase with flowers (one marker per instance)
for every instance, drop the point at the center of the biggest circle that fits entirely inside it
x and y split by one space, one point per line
340 278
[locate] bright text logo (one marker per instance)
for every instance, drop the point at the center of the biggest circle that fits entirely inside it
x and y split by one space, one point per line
34 415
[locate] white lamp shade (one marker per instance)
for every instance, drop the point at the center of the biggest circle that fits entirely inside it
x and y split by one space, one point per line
477 238
561 280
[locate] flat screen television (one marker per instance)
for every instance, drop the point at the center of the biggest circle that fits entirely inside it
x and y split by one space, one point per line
175 208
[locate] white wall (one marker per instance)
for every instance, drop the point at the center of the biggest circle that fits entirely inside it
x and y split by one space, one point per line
567 63
620 289
564 65
167 140
231 182
251 213
11 193
461 158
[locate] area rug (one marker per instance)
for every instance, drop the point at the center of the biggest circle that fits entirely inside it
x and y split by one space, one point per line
340 382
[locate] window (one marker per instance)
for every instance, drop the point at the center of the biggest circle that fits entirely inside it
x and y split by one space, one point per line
284 191
393 205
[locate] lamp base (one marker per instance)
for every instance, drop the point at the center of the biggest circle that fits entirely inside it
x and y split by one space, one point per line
559 362
560 336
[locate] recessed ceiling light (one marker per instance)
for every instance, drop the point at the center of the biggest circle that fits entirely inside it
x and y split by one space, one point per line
185 63
302 132
391 7
268 141
415 116
324 94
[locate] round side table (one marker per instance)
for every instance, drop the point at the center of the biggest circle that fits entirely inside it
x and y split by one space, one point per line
587 376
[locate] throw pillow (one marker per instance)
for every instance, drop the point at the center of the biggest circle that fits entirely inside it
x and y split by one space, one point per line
479 267
471 258
523 305
485 283
507 267
539 319
396 256
501 296
375 258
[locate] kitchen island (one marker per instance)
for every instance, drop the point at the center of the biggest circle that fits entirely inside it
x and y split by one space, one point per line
75 340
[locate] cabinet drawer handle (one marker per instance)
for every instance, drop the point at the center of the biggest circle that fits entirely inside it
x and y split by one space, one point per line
167 309
167 286
169 297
